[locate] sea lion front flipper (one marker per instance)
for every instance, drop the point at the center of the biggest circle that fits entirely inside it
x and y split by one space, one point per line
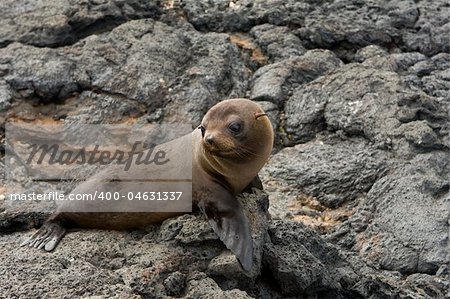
47 237
226 217
255 183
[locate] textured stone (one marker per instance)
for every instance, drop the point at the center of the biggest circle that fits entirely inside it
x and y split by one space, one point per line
275 82
332 173
175 284
243 15
408 210
369 52
299 268
277 42
5 96
375 109
62 22
208 288
140 61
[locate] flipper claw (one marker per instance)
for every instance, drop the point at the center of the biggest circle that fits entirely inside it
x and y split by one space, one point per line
46 237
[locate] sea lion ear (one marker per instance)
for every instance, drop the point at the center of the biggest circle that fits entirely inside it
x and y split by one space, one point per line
226 217
259 114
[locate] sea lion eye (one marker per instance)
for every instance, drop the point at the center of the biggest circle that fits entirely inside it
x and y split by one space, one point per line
202 128
235 128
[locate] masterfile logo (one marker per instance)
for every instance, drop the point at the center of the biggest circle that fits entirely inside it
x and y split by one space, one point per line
106 163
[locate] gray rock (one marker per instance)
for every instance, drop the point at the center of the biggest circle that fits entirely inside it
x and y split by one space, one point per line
430 35
442 61
414 26
5 96
407 214
179 71
423 68
420 134
175 284
100 108
215 71
64 22
148 76
16 216
383 22
274 82
412 287
67 272
429 284
437 82
226 265
208 288
195 231
336 24
375 109
221 16
141 73
304 113
369 52
298 267
332 173
277 42
171 227
42 72
403 14
397 62
336 273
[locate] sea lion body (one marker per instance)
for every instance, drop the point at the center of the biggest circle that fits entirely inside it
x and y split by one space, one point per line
229 148
115 179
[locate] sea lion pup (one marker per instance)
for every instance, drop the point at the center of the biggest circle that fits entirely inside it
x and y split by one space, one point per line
229 148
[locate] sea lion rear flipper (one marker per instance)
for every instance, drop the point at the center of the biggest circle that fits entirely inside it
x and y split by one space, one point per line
47 237
229 222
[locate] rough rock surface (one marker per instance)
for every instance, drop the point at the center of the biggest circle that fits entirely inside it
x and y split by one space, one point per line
64 22
126 64
358 184
418 242
332 173
364 101
276 81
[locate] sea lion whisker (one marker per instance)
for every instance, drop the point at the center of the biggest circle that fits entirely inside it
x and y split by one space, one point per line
240 154
258 115
249 152
245 154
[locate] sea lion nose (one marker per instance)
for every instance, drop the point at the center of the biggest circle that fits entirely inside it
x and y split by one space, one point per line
209 139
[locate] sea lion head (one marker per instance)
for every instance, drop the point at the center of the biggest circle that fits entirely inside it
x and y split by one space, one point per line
237 130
